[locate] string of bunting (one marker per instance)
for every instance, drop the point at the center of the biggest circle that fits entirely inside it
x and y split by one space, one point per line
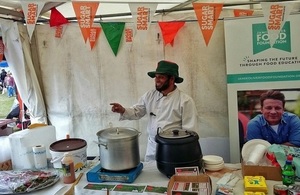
207 15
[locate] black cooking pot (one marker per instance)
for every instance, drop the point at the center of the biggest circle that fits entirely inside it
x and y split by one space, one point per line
177 148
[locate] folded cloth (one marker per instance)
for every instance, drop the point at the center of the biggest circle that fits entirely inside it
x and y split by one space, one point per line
281 152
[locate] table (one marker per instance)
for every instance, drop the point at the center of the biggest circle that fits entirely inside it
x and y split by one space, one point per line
151 176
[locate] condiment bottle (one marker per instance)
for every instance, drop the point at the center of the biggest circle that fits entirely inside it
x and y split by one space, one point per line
68 168
288 172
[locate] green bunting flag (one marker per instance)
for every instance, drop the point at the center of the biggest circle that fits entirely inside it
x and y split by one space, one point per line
113 32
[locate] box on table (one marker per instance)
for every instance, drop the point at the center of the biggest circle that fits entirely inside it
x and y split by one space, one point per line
201 178
6 165
269 172
21 143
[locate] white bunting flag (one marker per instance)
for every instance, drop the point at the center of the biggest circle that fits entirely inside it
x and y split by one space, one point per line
31 11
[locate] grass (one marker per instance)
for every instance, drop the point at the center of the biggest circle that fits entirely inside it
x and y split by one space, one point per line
5 104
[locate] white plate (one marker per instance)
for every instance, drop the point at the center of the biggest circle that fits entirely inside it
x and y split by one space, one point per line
212 159
216 168
249 146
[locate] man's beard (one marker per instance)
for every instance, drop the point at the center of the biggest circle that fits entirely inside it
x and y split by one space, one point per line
164 86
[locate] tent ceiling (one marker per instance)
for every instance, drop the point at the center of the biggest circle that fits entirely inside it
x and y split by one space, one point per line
11 9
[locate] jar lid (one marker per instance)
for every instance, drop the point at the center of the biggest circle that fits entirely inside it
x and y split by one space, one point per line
117 133
66 145
174 134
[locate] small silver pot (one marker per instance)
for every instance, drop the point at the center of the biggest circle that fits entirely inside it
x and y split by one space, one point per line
119 148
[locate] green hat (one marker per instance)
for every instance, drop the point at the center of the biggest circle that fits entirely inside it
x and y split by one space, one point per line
166 67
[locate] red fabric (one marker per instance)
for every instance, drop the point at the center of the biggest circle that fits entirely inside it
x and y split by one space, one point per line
56 18
169 30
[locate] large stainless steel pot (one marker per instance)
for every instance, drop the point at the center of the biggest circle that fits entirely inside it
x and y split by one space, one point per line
119 148
177 148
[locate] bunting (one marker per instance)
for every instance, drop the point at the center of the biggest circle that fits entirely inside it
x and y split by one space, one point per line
31 12
85 13
169 31
59 30
207 15
275 15
94 34
113 32
142 15
1 50
242 12
56 18
129 35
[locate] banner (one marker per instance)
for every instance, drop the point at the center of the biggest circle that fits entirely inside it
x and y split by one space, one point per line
113 32
56 18
169 30
85 14
207 15
242 12
253 66
142 15
31 11
94 35
1 50
275 15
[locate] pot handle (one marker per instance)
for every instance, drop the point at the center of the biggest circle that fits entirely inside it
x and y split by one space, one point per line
158 129
99 143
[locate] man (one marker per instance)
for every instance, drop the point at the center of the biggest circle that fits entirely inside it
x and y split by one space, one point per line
166 106
2 78
274 124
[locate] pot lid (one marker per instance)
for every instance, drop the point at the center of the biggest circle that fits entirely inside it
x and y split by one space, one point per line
174 134
117 133
65 145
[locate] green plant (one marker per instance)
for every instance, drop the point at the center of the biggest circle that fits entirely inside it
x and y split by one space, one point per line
5 105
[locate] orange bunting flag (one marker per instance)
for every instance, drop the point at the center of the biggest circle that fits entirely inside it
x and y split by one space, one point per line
56 18
207 15
169 30
59 31
94 34
128 35
275 15
1 50
85 13
242 12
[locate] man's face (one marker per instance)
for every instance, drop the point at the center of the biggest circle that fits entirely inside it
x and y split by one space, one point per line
272 110
162 82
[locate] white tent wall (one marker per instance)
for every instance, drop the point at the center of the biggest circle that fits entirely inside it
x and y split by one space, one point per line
79 83
18 53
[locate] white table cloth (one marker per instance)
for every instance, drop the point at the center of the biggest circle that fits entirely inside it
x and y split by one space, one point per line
150 176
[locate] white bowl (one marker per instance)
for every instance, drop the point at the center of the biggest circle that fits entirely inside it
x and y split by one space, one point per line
212 159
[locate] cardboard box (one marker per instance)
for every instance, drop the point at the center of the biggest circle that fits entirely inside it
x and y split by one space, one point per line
6 165
269 172
201 178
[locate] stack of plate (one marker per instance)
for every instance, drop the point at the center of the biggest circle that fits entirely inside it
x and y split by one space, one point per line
213 162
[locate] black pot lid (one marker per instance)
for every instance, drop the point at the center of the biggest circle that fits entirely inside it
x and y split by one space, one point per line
66 145
174 134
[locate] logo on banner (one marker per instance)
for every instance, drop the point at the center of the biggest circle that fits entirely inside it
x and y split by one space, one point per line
261 39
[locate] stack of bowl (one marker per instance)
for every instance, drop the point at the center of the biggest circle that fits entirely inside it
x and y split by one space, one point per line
213 162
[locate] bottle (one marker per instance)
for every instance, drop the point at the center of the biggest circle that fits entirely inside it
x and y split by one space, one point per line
288 172
67 164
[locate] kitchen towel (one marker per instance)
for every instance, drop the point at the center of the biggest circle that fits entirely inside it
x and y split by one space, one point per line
39 156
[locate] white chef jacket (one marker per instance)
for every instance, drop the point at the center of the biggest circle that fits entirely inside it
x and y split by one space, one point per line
176 110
